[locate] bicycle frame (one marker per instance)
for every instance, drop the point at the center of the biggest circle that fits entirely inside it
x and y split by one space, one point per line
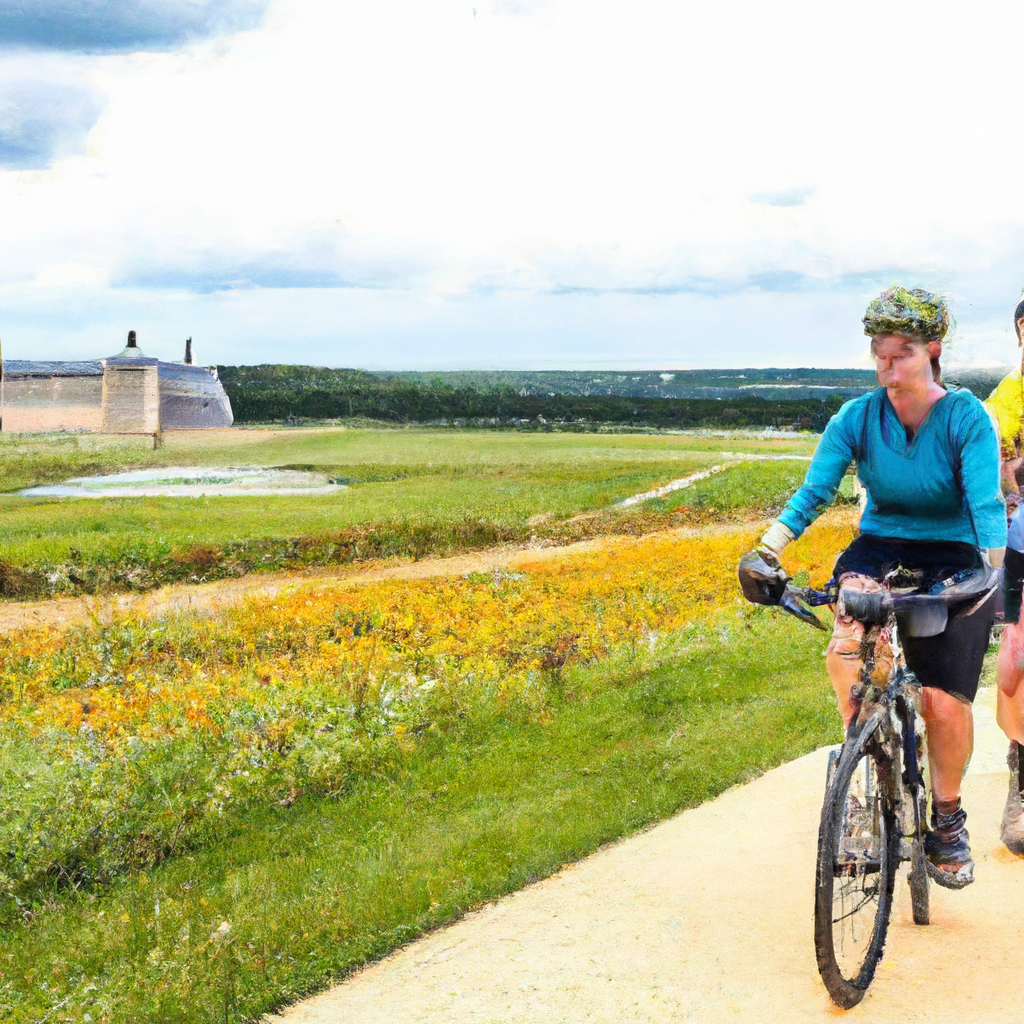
855 875
897 701
896 698
885 735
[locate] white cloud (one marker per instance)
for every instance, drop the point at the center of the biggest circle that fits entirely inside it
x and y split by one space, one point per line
541 180
785 196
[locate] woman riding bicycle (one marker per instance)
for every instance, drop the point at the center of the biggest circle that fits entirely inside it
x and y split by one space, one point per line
929 461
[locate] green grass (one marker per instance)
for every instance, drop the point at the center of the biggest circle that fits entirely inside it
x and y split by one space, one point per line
761 485
34 529
416 492
369 453
475 810
29 459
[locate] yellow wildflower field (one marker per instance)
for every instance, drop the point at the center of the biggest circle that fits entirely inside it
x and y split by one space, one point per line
146 680
121 744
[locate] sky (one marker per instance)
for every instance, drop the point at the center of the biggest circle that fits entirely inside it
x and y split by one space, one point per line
519 184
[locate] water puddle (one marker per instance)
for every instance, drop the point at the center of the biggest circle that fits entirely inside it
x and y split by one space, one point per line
191 482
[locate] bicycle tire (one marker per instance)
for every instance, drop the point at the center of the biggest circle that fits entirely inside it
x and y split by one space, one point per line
848 971
918 880
914 794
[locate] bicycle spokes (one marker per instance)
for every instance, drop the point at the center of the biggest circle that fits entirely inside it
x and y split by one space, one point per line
860 845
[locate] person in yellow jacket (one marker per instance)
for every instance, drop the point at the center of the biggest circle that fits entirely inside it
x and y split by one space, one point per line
1006 407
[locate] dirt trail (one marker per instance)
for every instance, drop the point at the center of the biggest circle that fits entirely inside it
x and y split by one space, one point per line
216 596
688 481
707 917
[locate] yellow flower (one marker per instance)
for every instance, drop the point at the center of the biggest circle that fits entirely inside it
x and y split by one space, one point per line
381 646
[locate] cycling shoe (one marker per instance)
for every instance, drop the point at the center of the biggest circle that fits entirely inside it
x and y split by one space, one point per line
1012 828
946 843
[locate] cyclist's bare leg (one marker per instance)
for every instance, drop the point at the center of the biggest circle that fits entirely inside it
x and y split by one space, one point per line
1010 716
950 727
1010 682
845 655
844 671
949 723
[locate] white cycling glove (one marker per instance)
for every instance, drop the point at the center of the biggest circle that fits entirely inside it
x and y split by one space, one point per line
776 537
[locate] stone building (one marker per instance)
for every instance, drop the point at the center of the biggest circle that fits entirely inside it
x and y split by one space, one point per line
130 393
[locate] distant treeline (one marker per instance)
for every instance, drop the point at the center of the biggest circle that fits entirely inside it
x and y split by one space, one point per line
773 384
274 393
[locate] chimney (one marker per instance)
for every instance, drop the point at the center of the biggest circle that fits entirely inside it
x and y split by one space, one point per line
188 351
131 340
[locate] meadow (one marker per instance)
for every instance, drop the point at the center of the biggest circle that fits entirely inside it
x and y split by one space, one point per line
204 817
412 493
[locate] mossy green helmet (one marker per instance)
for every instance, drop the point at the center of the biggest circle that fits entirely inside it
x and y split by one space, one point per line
909 311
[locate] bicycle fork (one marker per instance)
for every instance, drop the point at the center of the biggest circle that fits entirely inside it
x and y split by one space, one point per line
913 777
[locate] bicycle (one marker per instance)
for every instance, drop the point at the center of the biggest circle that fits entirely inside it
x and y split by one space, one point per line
876 796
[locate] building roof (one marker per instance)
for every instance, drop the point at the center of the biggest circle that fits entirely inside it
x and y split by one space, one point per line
131 356
15 368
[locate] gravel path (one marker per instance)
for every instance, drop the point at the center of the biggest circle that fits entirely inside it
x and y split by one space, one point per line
707 917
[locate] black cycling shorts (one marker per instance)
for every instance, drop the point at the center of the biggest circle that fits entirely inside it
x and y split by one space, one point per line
952 660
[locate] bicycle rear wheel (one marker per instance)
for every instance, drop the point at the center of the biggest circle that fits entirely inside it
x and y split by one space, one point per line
858 854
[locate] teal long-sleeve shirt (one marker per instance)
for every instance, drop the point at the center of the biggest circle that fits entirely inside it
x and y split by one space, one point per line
941 486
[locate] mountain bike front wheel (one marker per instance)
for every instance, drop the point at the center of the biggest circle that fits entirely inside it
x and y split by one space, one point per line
858 854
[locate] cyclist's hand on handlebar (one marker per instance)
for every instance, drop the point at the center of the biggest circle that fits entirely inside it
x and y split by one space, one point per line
762 578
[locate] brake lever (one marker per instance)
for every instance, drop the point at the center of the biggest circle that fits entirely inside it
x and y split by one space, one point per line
791 602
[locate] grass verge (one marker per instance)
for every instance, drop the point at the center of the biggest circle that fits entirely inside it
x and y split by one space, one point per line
137 545
292 897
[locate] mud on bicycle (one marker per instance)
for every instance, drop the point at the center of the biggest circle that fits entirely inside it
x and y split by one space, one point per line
873 818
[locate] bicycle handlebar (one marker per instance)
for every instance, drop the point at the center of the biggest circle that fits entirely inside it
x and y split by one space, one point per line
868 607
920 614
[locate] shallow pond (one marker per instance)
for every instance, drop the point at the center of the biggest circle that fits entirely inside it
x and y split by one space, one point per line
190 481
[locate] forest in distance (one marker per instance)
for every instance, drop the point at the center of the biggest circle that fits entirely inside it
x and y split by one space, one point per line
751 398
